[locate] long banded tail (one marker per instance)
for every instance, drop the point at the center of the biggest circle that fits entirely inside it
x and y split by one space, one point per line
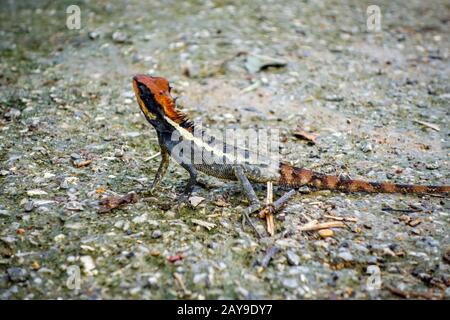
296 177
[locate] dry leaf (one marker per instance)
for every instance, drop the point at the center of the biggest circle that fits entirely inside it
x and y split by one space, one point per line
174 258
195 200
428 125
207 225
100 190
82 163
110 203
36 192
221 203
415 222
349 219
303 135
257 62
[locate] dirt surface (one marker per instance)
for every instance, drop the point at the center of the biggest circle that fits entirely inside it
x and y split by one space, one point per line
71 134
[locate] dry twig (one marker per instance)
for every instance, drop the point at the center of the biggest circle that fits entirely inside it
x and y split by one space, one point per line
313 225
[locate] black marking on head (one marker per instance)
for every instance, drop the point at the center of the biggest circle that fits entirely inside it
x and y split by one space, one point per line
149 100
153 107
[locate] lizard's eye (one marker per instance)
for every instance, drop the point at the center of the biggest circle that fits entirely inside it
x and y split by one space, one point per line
141 87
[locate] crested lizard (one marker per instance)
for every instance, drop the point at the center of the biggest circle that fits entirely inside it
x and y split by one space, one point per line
200 154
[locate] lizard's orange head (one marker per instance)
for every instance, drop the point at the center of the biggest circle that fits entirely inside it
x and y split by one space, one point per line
153 95
155 101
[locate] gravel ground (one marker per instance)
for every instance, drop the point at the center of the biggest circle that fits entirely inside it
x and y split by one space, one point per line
71 134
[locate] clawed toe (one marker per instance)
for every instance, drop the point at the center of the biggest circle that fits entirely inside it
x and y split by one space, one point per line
146 191
266 210
184 197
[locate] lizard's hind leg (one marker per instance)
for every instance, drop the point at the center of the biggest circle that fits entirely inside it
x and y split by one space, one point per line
251 195
255 204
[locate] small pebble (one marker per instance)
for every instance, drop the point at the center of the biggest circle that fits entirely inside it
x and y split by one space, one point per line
93 35
415 222
199 277
447 293
12 114
17 274
155 253
74 206
152 281
140 219
325 233
119 153
366 147
35 265
119 37
156 234
59 238
290 283
334 98
345 255
293 258
75 156
88 264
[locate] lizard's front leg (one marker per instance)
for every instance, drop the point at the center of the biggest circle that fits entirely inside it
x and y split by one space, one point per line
251 195
248 189
164 164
